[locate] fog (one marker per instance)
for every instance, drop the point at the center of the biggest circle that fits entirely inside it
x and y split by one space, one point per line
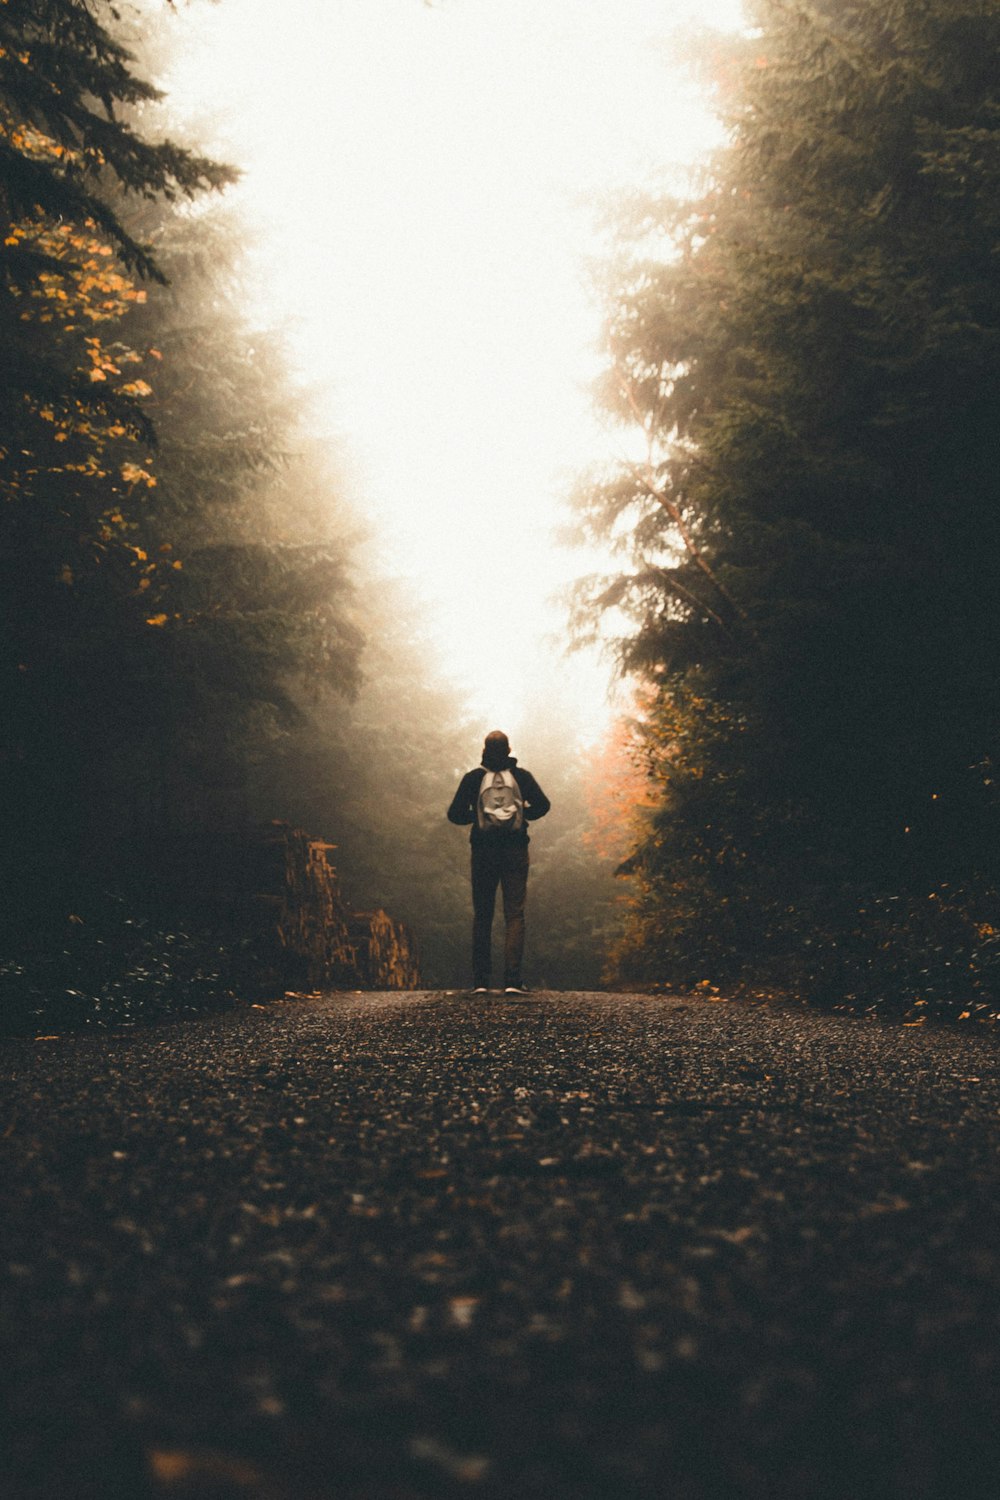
421 188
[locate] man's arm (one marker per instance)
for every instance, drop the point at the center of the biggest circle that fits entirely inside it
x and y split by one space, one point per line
463 804
536 804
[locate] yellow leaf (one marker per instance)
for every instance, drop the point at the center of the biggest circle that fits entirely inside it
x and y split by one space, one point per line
205 1469
132 474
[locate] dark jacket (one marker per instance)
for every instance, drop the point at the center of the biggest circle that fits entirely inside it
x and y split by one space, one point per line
464 803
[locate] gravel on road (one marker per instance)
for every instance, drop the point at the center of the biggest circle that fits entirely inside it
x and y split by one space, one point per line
411 1246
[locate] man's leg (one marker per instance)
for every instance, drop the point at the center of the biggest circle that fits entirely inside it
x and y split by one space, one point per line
514 880
485 876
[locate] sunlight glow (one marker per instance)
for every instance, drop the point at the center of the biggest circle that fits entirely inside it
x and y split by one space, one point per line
425 179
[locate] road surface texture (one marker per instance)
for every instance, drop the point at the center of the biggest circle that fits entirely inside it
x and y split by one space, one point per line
402 1247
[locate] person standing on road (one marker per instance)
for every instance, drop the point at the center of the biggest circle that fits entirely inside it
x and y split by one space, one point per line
499 798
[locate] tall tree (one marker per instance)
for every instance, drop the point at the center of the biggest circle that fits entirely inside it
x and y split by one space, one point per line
74 439
810 350
251 613
67 90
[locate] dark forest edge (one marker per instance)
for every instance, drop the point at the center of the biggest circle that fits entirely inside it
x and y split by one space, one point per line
808 349
195 641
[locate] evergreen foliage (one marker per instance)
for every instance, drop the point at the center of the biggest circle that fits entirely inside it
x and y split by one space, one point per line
75 441
67 87
165 593
255 614
810 351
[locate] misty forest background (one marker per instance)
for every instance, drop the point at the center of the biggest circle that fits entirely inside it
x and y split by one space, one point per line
803 354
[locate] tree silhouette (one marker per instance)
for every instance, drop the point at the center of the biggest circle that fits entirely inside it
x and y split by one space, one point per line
809 349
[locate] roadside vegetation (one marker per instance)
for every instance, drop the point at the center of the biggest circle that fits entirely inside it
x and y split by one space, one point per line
803 355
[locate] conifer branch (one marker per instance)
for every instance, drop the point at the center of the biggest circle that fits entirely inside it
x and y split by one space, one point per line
690 598
855 56
647 478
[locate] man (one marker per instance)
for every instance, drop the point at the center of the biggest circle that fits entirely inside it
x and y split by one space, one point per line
499 798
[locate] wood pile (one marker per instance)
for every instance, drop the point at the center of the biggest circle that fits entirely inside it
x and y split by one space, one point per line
305 937
386 957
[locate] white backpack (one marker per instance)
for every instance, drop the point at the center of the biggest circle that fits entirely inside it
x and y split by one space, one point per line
500 808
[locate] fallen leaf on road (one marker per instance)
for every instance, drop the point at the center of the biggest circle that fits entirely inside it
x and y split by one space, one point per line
893 1205
173 1466
466 1468
737 1236
463 1310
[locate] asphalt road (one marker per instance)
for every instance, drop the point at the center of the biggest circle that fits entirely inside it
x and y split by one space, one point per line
402 1247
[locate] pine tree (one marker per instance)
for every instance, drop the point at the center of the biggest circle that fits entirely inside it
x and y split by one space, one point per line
810 349
67 88
75 443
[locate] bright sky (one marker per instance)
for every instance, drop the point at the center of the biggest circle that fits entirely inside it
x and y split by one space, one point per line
423 177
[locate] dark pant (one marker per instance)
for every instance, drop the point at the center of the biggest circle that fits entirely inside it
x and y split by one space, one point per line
503 862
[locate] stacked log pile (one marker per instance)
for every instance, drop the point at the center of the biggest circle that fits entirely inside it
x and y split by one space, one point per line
304 935
386 957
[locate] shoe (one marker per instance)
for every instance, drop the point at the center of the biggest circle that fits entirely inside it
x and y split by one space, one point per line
516 989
